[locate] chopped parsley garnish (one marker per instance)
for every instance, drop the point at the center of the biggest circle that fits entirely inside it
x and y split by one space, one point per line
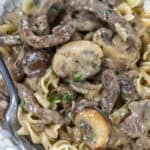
107 12
125 95
106 113
91 136
77 77
137 76
54 100
55 8
66 96
117 73
148 86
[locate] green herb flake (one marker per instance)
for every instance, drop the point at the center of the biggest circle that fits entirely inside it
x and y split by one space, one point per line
91 136
54 100
137 76
66 97
125 95
106 113
148 86
117 72
55 8
77 77
107 12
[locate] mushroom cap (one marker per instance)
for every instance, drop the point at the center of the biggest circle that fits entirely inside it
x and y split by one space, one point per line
83 57
97 123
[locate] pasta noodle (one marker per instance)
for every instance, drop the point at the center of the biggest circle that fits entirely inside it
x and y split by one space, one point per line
5 51
121 32
44 136
145 17
134 3
48 79
27 6
146 55
143 80
43 87
143 77
7 28
125 11
63 145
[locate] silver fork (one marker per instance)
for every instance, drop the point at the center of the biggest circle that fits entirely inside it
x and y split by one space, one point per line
11 123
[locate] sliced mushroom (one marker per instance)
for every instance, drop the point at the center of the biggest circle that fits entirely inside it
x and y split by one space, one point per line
78 58
61 35
94 127
120 54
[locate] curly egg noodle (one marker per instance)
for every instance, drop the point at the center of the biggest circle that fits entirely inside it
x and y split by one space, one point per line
80 78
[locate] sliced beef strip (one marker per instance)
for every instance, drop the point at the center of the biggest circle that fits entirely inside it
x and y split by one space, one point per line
138 123
17 71
85 21
60 36
127 87
46 115
108 15
40 16
110 92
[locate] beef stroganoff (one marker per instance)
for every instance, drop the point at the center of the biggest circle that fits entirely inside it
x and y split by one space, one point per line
82 73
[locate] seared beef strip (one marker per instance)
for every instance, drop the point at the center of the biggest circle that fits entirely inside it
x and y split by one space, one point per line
138 123
40 16
85 21
61 35
110 92
127 87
